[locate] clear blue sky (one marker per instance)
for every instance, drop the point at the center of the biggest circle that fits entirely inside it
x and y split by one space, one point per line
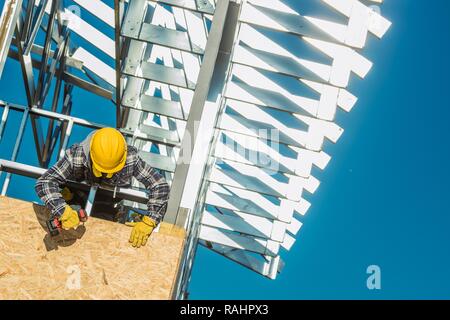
383 197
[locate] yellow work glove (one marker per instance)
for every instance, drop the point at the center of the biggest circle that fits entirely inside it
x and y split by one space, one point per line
69 219
141 231
66 194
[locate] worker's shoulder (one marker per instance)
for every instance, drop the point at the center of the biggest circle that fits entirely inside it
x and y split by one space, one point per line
76 150
132 151
132 154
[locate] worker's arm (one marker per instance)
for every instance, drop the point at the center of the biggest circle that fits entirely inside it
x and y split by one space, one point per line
155 183
48 185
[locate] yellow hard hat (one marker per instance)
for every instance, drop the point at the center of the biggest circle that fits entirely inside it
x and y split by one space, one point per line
108 152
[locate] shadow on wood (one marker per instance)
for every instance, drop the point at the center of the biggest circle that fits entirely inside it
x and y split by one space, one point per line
64 239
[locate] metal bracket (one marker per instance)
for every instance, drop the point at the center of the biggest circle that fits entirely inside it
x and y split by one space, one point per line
91 199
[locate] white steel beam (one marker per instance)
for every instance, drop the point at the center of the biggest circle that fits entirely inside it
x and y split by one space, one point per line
257 87
96 66
262 52
247 201
280 126
99 9
238 241
89 33
246 224
268 154
264 265
362 19
8 21
265 181
189 175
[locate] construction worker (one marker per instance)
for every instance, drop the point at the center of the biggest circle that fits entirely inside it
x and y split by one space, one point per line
103 158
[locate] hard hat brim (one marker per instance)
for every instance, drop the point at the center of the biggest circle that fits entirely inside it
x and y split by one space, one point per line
113 170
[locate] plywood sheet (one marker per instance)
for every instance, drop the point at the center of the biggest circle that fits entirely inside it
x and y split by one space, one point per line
93 262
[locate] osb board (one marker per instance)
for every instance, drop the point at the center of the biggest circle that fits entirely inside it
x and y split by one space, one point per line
93 262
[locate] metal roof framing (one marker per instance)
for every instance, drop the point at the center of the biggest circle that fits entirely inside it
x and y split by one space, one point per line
198 86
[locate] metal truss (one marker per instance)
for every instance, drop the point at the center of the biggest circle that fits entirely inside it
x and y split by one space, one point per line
268 138
52 88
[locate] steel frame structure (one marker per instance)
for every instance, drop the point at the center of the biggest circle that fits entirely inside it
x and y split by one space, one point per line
198 86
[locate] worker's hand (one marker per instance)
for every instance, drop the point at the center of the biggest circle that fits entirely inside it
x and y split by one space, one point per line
69 219
66 194
141 231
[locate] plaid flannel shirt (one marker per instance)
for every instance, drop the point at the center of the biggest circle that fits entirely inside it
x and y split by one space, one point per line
76 166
